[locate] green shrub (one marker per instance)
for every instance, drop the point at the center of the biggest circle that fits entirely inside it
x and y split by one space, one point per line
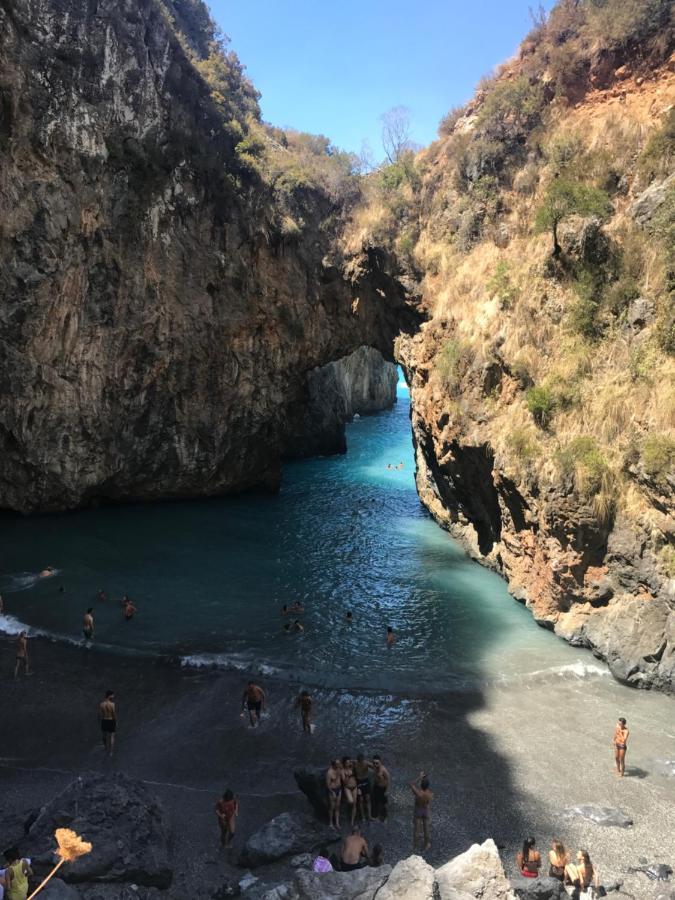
541 404
583 459
664 327
565 197
627 21
667 558
449 120
501 286
656 160
514 103
450 362
620 294
658 456
563 150
523 444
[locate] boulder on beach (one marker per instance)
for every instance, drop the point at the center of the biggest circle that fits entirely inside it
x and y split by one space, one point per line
57 889
476 873
609 816
538 888
411 879
312 783
125 824
285 835
361 884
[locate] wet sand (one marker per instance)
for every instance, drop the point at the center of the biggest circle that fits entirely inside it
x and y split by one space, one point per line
502 765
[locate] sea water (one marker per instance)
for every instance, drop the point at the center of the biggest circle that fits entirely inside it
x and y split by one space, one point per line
346 533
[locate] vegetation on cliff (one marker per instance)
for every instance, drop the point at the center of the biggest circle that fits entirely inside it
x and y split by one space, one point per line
540 225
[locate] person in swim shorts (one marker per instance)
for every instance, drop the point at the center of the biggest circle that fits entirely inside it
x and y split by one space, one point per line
334 786
354 853
304 702
253 700
227 810
620 743
22 655
88 624
362 771
107 714
421 810
380 796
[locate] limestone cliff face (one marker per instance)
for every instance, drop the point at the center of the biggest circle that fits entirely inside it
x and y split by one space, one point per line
156 328
361 383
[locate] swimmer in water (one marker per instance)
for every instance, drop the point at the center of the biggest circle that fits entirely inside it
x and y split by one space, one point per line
391 637
47 573
350 618
128 609
88 624
101 594
389 466
297 626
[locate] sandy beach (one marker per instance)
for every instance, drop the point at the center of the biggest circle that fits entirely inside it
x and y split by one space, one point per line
181 732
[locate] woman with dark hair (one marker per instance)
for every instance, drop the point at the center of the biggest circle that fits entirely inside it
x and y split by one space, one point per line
421 810
529 859
16 875
558 858
582 874
620 742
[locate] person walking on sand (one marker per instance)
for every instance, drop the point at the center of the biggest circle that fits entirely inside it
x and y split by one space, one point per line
253 700
227 810
381 782
16 875
334 786
421 810
107 714
620 743
88 624
391 637
304 702
22 655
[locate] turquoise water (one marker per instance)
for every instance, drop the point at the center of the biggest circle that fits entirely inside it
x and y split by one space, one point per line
209 579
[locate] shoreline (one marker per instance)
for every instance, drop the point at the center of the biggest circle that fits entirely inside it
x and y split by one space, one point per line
180 732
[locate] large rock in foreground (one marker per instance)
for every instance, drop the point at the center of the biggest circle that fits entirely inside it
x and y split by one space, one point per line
285 835
125 824
411 879
476 873
362 884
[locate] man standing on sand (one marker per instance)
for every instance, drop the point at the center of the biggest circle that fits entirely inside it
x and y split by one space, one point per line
354 851
380 790
253 699
421 810
88 624
22 655
620 743
107 714
362 772
305 701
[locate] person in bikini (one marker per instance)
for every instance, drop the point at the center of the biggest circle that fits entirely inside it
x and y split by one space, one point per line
620 743
529 859
558 857
421 810
334 785
304 702
227 810
582 874
22 655
362 771
253 699
354 853
349 787
88 624
107 714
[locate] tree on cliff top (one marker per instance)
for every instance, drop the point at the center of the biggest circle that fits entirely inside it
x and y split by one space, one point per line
565 197
396 139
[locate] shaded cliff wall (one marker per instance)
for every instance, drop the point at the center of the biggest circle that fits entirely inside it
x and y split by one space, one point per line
361 383
155 328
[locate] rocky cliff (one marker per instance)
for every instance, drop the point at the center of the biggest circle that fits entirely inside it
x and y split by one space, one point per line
162 299
540 230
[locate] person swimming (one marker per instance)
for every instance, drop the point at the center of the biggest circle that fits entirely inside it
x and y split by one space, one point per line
349 617
391 637
297 626
48 572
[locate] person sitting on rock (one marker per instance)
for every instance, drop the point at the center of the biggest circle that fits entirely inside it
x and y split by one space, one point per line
581 875
529 859
558 858
322 863
354 851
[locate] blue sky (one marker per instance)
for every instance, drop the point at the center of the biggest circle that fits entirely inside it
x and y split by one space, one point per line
334 67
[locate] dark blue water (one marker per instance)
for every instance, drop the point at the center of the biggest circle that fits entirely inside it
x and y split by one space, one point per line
209 578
